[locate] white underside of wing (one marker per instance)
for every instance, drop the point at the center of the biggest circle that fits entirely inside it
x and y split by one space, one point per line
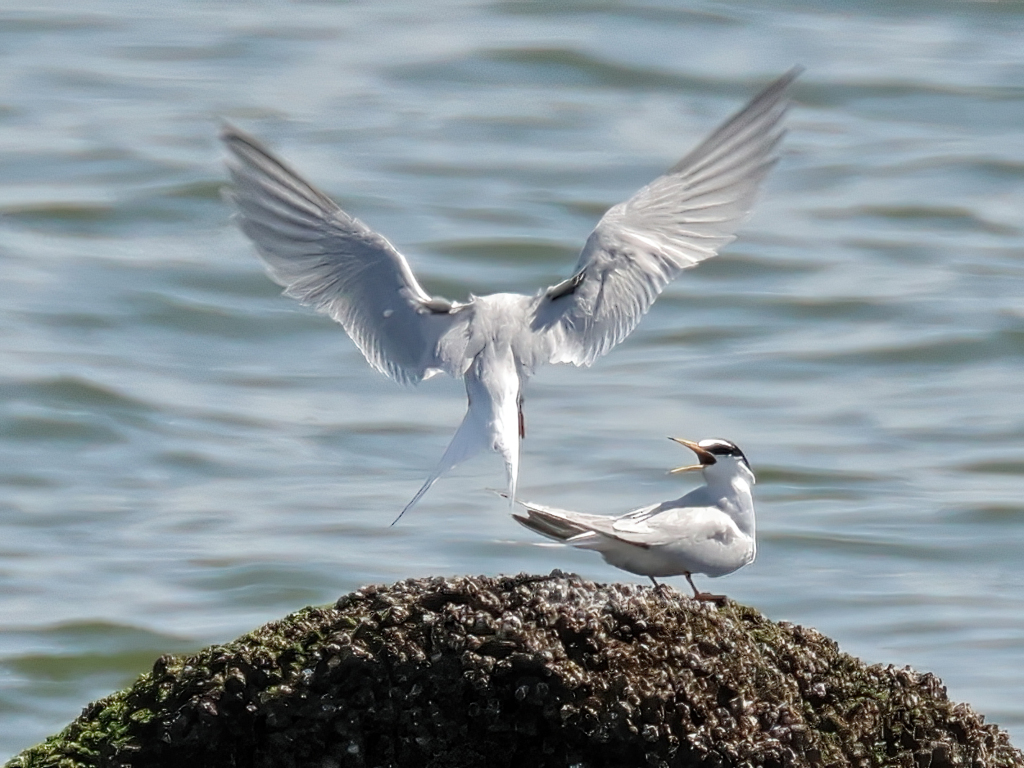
675 222
336 264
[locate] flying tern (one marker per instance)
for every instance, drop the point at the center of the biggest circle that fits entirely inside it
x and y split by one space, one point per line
710 530
326 258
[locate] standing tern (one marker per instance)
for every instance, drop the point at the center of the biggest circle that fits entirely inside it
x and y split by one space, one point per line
710 530
333 262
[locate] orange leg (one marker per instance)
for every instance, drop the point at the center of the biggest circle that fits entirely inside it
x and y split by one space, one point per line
705 597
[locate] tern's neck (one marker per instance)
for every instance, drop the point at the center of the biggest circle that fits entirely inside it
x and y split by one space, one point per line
734 493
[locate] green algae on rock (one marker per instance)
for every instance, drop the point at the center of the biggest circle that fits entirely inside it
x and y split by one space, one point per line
526 671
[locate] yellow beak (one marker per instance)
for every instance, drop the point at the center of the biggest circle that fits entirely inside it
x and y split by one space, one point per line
705 457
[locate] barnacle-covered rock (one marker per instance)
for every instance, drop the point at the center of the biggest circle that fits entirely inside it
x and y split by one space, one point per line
526 671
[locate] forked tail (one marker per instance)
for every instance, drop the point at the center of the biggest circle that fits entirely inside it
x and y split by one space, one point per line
492 421
469 440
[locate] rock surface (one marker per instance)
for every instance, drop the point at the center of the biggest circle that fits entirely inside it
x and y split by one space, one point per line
526 671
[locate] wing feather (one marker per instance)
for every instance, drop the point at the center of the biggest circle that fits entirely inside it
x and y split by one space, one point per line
679 526
333 262
675 222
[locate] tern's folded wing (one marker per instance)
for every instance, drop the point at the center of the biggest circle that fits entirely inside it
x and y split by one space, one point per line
559 524
335 263
675 222
696 525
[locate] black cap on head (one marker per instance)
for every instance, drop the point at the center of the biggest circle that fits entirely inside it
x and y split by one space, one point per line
718 447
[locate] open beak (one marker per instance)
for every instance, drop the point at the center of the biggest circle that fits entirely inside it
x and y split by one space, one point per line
705 457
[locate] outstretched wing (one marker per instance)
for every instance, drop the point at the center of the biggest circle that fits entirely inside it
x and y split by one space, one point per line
333 262
675 222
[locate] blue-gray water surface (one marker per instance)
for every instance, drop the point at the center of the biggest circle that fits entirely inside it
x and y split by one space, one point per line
185 454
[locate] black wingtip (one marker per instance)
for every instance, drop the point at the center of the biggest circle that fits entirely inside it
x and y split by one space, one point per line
785 80
793 73
780 84
239 142
230 132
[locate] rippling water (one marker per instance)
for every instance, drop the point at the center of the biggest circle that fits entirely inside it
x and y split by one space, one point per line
184 454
